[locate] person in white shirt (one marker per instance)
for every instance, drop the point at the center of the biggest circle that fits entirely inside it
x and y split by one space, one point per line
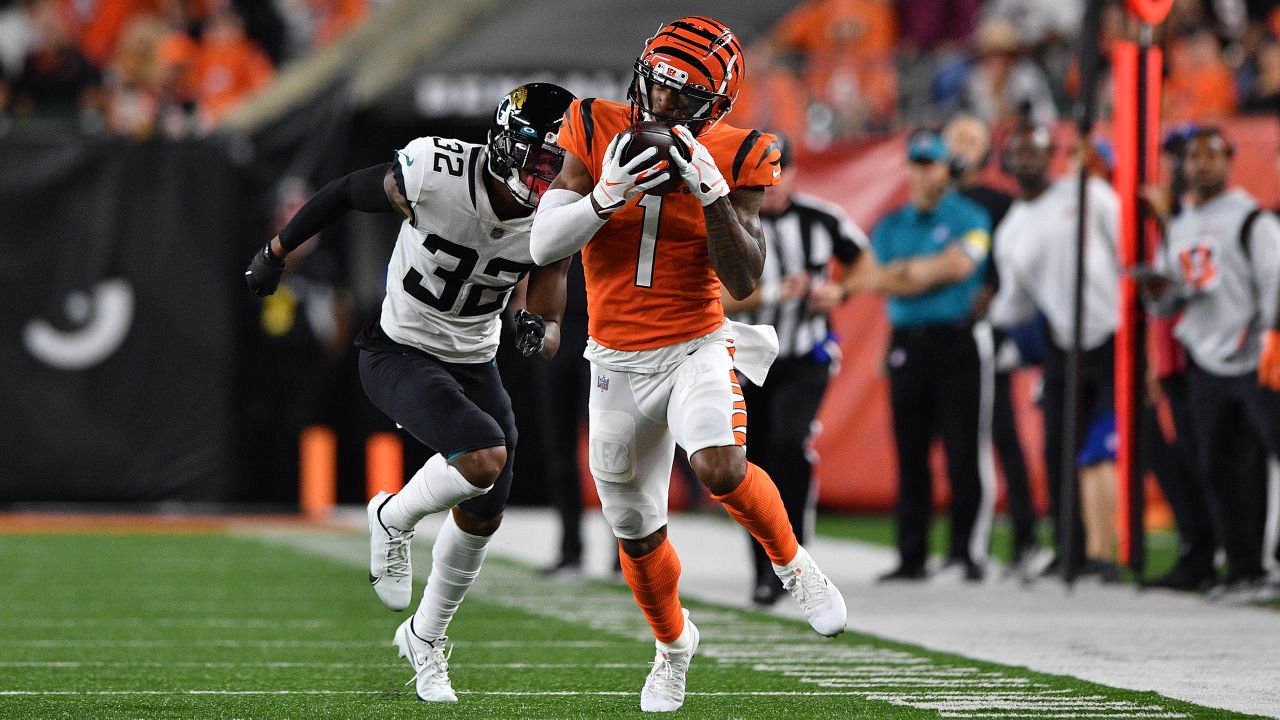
1035 255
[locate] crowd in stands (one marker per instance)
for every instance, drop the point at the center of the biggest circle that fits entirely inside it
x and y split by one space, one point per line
836 69
153 68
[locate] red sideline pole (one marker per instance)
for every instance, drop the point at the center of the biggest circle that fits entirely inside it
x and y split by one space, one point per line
1124 65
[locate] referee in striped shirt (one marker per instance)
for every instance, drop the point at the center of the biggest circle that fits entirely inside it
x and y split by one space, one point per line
803 237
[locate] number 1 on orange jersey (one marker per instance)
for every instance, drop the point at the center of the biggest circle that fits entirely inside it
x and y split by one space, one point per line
652 205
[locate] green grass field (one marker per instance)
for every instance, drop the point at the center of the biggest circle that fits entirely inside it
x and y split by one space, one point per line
227 626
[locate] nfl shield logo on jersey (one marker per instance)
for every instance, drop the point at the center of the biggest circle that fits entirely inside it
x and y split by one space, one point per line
602 382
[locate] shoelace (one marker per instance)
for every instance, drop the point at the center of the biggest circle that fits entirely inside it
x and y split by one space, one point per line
437 659
666 678
398 555
806 585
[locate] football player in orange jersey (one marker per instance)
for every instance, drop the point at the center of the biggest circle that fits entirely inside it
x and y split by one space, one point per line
663 356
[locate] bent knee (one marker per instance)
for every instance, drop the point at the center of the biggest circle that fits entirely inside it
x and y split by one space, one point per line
482 467
645 545
720 469
473 524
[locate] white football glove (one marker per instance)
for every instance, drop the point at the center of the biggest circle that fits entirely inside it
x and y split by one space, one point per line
700 174
619 183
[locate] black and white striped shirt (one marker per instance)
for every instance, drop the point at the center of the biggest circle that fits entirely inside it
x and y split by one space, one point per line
801 240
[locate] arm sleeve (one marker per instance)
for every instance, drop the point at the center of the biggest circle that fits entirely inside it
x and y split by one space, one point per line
564 223
362 190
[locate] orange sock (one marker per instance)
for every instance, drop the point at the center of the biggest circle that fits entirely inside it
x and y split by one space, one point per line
757 506
654 580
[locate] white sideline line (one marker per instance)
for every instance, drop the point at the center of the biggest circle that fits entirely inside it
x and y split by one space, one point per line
336 665
1055 716
333 644
512 693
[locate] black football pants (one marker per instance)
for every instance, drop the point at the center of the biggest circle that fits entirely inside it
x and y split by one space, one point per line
936 377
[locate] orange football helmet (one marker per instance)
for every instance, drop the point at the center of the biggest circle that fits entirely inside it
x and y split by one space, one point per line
699 59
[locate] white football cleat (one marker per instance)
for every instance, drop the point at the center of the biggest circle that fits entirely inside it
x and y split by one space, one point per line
819 598
390 571
664 688
430 664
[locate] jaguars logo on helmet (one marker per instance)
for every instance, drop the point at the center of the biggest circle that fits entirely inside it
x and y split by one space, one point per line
522 149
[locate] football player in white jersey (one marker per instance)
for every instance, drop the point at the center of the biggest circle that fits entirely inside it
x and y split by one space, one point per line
428 361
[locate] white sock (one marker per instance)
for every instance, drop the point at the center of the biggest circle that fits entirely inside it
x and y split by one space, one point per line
683 643
436 486
455 563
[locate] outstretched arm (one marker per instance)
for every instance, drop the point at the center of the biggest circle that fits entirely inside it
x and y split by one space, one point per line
371 190
538 326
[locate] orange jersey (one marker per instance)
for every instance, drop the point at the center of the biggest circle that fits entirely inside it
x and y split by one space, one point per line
650 282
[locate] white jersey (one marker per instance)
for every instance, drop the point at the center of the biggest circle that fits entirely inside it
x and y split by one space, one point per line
455 263
1036 255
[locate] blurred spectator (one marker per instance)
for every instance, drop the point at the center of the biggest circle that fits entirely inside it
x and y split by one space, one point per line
804 238
939 361
1006 87
1264 95
1038 21
1036 242
1200 87
313 24
846 47
102 23
969 143
229 67
772 96
853 29
16 36
1219 265
135 78
56 79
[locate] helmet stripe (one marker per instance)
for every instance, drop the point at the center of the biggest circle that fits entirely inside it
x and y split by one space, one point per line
725 38
682 55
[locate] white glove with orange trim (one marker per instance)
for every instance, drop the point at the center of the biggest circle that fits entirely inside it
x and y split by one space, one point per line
618 182
700 172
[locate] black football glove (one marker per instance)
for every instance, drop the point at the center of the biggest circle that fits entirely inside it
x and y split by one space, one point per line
531 331
265 271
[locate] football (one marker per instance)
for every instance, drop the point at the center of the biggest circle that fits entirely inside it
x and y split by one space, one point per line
653 134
